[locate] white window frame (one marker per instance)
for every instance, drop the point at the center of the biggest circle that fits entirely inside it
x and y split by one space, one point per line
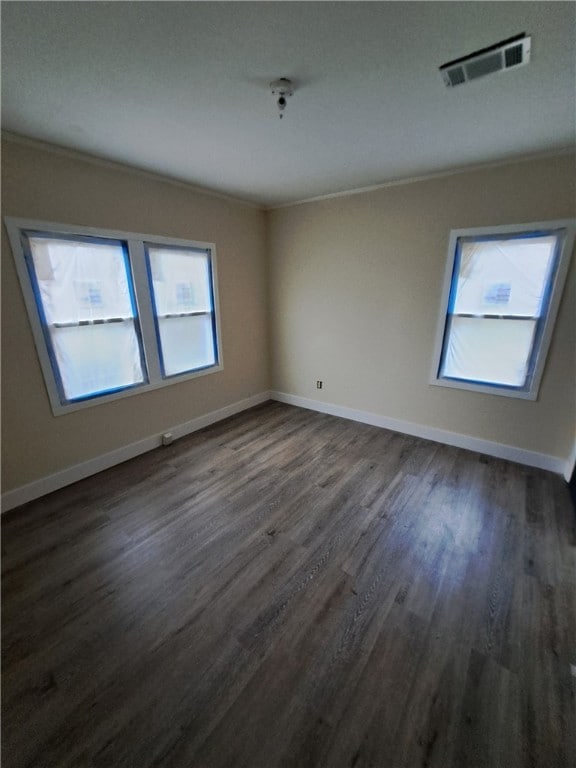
531 389
142 292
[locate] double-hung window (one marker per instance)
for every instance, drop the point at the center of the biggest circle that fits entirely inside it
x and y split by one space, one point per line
502 291
183 301
115 313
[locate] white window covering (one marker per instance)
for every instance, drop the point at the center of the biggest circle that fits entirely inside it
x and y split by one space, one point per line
182 288
497 281
79 284
505 277
483 349
81 281
181 280
97 358
104 326
187 343
501 294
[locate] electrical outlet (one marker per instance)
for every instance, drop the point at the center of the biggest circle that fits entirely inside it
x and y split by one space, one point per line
318 385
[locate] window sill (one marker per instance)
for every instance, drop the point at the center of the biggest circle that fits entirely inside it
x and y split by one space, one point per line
486 389
61 409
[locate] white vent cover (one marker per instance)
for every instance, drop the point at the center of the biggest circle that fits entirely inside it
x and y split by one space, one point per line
509 54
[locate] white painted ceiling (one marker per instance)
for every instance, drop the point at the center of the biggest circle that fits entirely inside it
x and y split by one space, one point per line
182 88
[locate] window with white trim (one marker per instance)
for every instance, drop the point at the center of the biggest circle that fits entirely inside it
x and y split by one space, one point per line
501 295
180 284
115 313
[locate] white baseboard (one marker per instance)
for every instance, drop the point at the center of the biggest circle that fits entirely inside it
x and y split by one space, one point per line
45 485
499 450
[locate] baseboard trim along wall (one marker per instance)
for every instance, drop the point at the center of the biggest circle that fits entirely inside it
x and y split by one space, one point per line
38 488
45 485
498 450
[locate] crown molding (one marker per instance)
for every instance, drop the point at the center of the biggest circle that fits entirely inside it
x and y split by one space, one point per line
76 154
569 150
86 157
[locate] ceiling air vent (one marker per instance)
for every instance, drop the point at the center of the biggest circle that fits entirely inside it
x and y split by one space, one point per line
511 53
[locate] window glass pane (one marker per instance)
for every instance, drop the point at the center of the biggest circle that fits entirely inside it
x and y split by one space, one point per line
504 277
187 343
79 282
97 358
489 350
183 302
181 280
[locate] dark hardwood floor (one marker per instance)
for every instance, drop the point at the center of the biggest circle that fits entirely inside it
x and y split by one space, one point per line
291 589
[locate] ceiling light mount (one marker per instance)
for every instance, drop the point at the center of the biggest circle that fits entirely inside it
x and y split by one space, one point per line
282 89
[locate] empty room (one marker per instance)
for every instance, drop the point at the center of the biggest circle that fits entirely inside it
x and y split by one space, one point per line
288 384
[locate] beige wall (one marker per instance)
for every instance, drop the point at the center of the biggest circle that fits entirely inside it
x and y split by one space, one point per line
41 184
355 285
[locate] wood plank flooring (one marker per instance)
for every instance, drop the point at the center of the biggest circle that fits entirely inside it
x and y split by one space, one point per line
288 589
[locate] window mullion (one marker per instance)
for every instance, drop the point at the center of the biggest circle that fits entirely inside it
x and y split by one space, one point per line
144 302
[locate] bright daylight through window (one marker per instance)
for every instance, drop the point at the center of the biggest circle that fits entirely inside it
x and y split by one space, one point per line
502 292
183 307
115 313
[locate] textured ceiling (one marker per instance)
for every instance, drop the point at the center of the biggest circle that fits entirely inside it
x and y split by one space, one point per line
182 88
